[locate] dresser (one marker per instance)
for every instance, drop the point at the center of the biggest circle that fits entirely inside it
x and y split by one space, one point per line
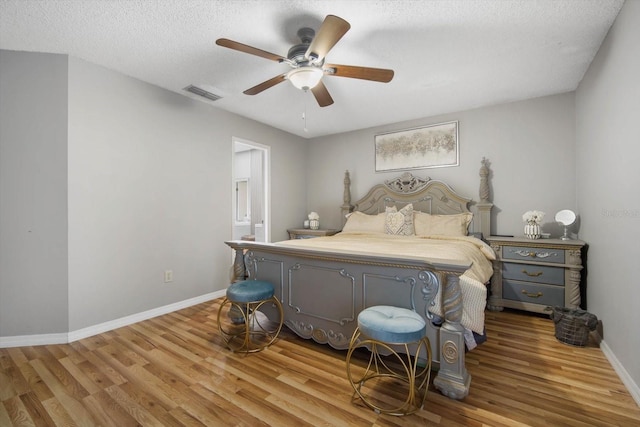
536 274
307 233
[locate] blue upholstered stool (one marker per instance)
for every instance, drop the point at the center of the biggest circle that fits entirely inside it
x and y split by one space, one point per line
396 339
243 318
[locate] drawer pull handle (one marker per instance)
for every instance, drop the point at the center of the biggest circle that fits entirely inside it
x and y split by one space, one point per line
537 274
531 295
533 254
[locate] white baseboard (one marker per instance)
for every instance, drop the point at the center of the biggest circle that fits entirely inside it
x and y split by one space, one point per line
27 340
626 379
65 338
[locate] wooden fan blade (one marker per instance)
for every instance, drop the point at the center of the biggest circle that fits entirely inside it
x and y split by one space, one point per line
249 49
265 85
364 73
322 94
331 30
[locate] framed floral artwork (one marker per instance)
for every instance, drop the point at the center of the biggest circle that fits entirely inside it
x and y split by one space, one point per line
433 146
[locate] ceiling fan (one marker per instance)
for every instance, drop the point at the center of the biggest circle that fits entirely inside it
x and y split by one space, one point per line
307 61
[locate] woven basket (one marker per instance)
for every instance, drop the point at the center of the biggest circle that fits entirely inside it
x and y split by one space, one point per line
573 325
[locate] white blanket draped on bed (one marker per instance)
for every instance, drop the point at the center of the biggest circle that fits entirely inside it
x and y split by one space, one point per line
434 247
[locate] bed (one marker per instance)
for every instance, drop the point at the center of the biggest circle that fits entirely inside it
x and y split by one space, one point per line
323 283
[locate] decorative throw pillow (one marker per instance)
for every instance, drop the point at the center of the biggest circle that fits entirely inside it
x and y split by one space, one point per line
399 222
448 225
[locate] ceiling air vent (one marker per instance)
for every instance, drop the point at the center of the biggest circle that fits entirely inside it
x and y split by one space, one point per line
201 92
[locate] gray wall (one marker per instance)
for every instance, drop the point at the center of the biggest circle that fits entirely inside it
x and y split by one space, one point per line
149 189
608 151
33 193
530 144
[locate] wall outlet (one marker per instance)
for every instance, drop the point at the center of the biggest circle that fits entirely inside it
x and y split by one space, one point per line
168 276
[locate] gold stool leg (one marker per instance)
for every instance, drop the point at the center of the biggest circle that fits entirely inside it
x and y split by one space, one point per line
388 365
246 329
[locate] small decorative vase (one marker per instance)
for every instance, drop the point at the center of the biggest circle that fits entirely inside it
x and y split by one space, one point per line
305 224
532 231
314 224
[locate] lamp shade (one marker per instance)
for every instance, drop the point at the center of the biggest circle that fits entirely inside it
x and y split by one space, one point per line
305 77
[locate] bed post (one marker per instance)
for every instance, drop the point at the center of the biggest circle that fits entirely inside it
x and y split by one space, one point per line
484 206
452 379
239 271
346 199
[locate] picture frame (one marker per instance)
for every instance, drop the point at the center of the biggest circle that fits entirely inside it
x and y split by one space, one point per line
432 146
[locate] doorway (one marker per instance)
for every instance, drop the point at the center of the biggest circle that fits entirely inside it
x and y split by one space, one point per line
250 189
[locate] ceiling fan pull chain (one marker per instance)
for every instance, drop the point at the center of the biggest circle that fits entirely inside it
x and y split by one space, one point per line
304 113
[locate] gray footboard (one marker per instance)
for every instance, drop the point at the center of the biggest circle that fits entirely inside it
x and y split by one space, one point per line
322 293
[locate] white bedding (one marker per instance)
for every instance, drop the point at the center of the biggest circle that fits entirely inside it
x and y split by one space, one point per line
459 248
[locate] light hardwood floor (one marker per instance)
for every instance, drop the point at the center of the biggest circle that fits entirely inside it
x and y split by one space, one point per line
173 371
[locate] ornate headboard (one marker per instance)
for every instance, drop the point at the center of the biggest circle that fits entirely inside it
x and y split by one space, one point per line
426 195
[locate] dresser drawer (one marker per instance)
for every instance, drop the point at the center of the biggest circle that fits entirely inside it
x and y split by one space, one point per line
533 293
524 253
533 273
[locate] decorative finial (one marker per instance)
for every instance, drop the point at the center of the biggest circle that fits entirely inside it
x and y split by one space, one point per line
484 181
347 189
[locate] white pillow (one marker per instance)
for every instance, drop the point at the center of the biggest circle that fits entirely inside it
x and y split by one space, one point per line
358 222
448 225
399 222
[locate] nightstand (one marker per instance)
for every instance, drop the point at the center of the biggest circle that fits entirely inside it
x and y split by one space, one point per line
535 274
307 233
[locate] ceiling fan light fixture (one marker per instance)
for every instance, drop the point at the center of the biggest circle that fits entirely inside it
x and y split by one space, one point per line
305 78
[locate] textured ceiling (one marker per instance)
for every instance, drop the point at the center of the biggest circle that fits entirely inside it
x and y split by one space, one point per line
447 55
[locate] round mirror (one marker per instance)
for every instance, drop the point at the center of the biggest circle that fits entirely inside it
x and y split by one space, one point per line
566 217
